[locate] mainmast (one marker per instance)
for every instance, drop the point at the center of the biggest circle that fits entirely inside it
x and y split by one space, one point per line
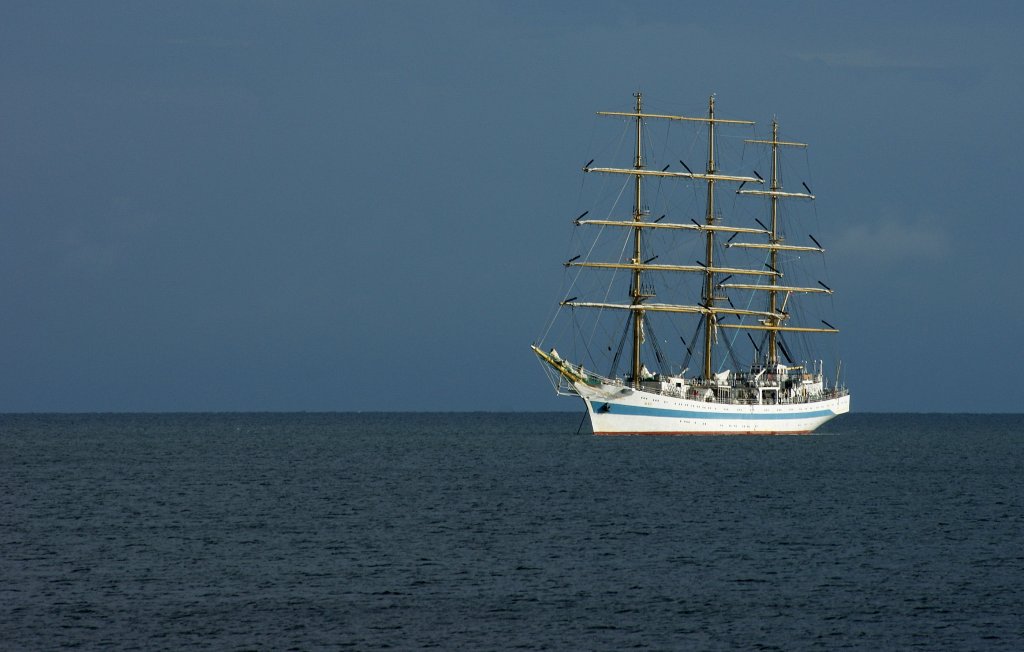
637 291
709 255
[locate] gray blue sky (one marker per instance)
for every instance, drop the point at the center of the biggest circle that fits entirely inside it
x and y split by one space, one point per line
363 205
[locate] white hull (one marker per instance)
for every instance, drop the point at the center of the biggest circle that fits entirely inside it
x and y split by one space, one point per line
618 410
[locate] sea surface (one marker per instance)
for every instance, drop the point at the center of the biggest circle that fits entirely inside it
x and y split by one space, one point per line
507 531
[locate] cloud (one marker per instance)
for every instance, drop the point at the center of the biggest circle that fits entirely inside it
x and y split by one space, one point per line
98 243
869 59
206 42
894 242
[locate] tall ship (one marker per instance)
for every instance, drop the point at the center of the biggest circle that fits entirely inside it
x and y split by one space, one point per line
718 270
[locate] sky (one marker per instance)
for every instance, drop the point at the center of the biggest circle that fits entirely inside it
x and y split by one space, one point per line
363 206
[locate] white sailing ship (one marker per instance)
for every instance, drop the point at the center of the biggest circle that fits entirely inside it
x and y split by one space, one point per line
767 389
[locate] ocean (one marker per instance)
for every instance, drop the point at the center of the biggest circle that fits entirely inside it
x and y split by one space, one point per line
507 531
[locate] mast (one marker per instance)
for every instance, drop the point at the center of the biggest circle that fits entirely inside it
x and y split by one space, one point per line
709 218
641 292
638 213
775 314
773 238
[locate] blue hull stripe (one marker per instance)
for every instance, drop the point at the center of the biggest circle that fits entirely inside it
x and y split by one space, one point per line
641 411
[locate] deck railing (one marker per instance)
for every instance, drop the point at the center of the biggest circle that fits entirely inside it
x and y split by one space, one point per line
700 389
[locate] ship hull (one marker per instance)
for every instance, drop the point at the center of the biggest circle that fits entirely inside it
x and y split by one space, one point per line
623 411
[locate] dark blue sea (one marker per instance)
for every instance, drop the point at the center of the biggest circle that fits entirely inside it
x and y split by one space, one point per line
507 531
